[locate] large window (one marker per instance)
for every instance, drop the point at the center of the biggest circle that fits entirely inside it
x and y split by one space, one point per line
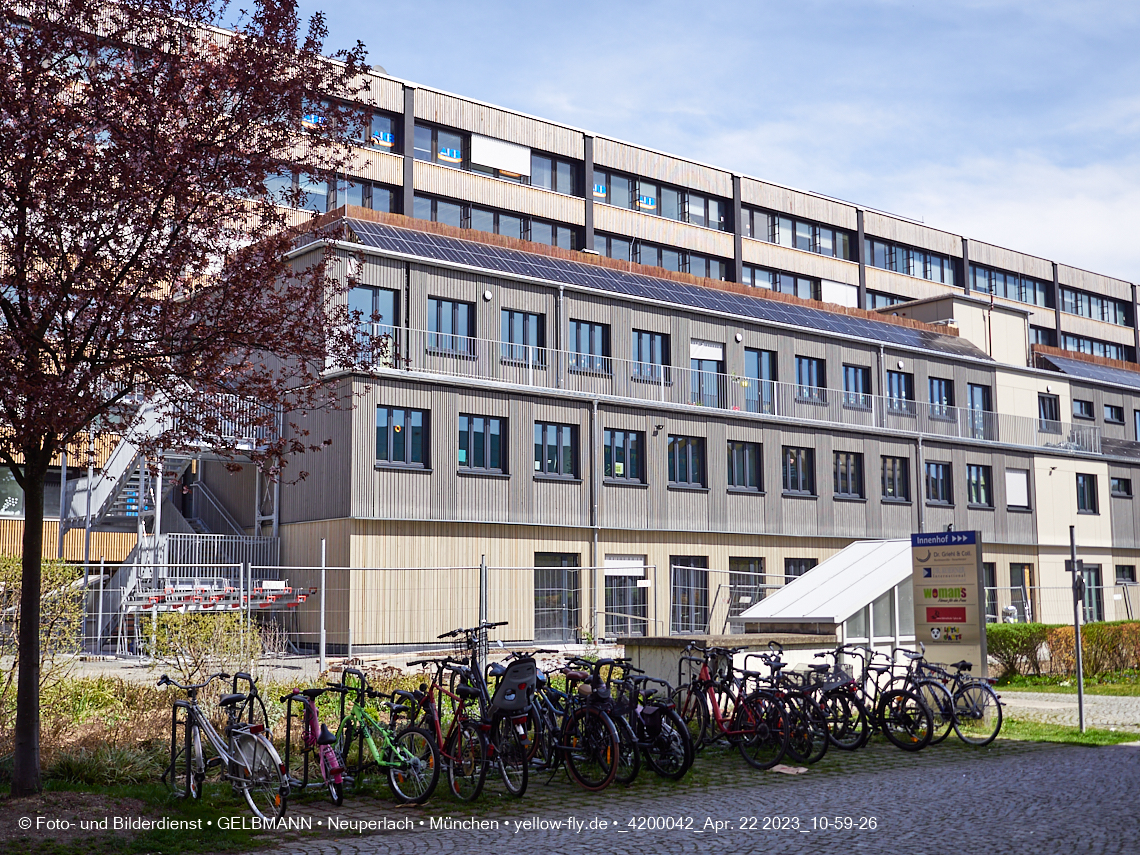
373 310
1095 306
982 425
362 194
896 479
1012 286
811 379
941 398
745 584
879 300
857 386
523 337
554 234
555 174
760 376
482 444
909 260
798 471
555 450
1048 414
589 347
649 197
1082 409
440 211
1096 347
690 594
900 392
499 223
796 233
1087 500
706 374
451 326
979 485
939 486
650 356
687 461
744 466
439 146
848 471
796 567
622 456
804 287
401 436
556 603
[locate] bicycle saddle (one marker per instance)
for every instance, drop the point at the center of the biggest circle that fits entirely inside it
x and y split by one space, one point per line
963 665
326 736
468 692
576 675
313 694
497 669
231 700
820 667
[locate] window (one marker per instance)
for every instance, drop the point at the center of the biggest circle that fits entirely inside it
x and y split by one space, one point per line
795 567
745 584
1120 487
625 595
622 456
1114 414
523 337
649 197
1094 594
1042 335
555 450
900 392
1095 306
744 466
482 444
706 373
439 146
401 436
760 374
908 260
800 286
982 424
589 347
1020 583
439 211
362 194
498 223
799 471
11 495
690 590
382 131
938 484
686 461
811 379
848 475
1082 409
896 479
650 356
451 326
879 300
561 176
1017 488
613 247
1012 286
374 312
979 485
1125 574
556 596
941 398
554 234
801 234
1049 414
1086 494
1107 349
1136 423
857 386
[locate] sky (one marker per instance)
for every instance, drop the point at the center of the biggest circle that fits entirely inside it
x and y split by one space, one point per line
1014 123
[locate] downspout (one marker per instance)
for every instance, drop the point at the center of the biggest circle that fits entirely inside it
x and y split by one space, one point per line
919 483
598 585
882 385
560 333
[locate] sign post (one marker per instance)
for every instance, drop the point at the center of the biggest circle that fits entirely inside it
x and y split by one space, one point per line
949 597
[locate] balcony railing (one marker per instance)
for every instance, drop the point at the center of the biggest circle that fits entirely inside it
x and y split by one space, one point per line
546 368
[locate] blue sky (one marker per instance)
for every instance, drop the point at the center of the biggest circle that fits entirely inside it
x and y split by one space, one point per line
1015 123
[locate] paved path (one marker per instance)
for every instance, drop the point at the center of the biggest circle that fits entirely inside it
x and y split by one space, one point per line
1010 797
1116 711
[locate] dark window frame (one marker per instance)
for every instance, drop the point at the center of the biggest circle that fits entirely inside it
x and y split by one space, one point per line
391 431
522 352
687 452
468 465
1114 414
941 475
633 448
1088 501
566 442
1083 409
586 361
896 479
1120 488
452 343
647 369
809 369
979 485
749 458
797 469
848 475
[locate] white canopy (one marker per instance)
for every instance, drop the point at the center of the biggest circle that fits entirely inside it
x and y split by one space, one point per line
842 585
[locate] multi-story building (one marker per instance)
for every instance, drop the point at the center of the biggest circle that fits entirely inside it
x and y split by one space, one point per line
663 385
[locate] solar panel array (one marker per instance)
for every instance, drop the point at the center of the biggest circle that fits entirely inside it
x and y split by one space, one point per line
558 270
1091 371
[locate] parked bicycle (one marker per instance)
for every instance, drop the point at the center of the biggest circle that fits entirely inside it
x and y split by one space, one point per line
642 703
248 759
977 715
316 741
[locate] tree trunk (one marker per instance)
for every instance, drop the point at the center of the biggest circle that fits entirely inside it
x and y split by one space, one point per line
26 779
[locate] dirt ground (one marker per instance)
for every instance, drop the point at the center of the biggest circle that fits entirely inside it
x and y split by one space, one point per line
77 809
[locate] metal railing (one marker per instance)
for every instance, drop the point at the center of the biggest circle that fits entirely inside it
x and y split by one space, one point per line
545 368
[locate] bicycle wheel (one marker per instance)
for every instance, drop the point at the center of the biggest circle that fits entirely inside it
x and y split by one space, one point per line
591 748
761 729
848 724
259 775
808 733
977 714
466 756
195 772
629 755
669 752
941 705
905 720
690 706
510 756
413 778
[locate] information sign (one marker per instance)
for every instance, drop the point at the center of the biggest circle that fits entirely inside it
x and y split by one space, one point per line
949 597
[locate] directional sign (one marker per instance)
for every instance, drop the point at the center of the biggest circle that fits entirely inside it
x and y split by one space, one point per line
949 597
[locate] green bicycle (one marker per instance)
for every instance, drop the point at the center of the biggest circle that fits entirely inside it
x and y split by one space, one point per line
407 754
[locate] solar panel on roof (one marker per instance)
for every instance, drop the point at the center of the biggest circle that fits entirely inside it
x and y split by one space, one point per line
1091 371
501 259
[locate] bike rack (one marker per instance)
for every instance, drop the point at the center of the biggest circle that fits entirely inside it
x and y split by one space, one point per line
361 692
175 750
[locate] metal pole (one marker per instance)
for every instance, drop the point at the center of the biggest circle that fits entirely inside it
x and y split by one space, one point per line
1078 591
323 660
482 605
62 499
99 621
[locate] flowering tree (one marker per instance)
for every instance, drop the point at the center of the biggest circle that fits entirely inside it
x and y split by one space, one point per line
141 253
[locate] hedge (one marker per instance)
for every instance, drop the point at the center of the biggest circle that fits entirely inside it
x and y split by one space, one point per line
1036 648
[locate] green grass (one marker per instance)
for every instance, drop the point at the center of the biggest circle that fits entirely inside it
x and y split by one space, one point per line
1035 731
1125 683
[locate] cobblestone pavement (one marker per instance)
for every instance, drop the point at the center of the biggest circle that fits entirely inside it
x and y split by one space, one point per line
1117 711
1009 797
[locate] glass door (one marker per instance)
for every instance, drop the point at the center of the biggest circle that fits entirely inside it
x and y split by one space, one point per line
556 614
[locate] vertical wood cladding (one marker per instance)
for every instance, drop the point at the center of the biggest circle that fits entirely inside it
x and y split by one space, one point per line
495 193
661 167
326 492
453 112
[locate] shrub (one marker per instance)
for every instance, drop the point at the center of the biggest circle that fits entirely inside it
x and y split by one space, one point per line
1016 646
197 644
109 765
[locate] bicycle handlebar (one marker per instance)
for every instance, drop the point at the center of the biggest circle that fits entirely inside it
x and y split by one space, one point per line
473 629
164 680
